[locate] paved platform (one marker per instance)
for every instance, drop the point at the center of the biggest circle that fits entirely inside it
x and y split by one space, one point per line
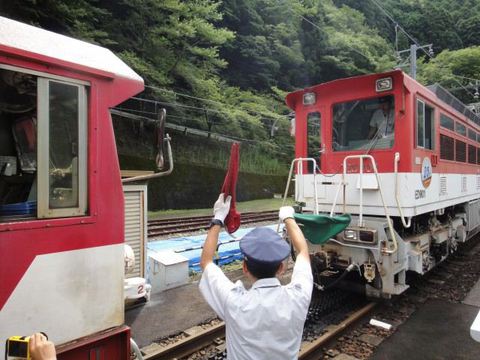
162 315
438 330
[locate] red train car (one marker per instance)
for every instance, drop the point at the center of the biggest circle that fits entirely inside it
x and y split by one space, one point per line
400 157
61 199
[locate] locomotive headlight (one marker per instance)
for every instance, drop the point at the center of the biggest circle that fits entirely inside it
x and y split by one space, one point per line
350 234
384 84
309 98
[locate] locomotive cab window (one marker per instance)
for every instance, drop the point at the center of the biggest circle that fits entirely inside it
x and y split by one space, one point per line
43 152
425 126
364 124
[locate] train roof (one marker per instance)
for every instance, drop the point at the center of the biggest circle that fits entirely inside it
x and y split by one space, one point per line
44 46
296 96
447 97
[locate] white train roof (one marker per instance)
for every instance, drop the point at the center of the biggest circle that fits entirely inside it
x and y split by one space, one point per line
47 44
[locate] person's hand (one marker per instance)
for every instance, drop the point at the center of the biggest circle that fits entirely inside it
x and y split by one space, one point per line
286 212
40 348
221 207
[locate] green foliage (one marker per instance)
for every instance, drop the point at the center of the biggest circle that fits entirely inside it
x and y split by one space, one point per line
451 69
243 56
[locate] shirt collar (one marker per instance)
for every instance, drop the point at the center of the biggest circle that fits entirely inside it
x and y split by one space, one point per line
266 283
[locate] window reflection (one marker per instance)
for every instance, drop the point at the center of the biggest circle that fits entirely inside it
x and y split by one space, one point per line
63 174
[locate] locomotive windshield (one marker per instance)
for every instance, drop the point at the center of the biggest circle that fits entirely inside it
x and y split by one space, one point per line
363 124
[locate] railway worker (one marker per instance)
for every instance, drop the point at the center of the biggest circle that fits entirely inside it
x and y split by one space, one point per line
266 321
40 348
382 121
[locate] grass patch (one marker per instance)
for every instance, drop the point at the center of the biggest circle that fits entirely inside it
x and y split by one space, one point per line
245 206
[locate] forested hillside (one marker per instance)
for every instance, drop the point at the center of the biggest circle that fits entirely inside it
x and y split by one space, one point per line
225 66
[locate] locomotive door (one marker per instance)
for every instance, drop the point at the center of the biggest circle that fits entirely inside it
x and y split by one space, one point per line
314 138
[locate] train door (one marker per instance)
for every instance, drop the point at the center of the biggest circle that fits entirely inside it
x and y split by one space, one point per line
313 138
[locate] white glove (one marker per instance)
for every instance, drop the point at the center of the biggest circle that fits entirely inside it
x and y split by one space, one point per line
286 212
221 207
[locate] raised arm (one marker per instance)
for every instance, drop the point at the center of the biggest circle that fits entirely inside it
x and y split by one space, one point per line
220 212
294 233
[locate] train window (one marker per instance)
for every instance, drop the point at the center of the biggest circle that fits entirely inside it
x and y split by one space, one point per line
460 129
447 148
313 138
472 135
364 124
62 178
460 151
18 140
43 139
472 154
478 155
425 126
447 122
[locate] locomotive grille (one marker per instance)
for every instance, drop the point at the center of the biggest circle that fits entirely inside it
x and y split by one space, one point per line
472 154
443 185
460 151
446 147
478 182
464 184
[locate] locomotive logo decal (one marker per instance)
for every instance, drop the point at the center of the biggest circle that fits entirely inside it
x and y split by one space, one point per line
426 172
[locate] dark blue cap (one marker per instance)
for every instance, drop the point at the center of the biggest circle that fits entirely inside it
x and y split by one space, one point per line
264 245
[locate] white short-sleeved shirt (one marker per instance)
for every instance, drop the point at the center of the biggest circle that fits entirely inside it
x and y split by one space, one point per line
384 122
266 321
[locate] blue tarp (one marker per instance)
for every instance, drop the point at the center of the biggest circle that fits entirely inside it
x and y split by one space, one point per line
228 252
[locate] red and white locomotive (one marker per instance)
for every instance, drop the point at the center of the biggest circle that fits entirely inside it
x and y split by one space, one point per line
400 157
61 197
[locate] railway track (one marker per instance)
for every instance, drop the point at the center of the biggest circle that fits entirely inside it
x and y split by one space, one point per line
328 317
157 228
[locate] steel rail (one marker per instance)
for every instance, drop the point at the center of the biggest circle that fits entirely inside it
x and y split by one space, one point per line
206 217
314 349
189 345
308 350
179 226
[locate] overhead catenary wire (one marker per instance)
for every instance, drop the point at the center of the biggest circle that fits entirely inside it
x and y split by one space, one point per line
387 14
123 112
397 25
214 102
323 31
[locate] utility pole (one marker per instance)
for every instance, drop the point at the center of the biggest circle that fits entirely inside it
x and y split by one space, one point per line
412 57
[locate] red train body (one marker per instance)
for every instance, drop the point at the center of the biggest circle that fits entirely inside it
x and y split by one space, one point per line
61 198
402 158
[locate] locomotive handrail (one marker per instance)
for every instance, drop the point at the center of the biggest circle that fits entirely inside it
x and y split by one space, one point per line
159 174
136 349
300 172
360 219
402 217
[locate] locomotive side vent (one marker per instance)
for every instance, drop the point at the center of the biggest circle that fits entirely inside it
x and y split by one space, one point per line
472 154
447 147
460 151
443 185
464 184
478 182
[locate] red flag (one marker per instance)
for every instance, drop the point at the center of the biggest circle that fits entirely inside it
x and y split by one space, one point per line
232 221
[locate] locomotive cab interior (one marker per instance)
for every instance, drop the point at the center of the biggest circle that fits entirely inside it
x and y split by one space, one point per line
363 124
42 147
